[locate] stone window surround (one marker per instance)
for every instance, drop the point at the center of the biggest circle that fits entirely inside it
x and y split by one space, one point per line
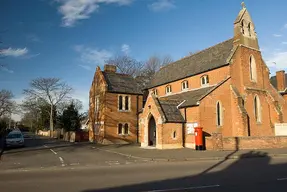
97 103
257 109
220 123
168 90
174 135
184 85
253 69
124 103
204 80
123 129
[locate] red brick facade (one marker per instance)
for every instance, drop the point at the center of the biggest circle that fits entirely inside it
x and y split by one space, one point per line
242 103
104 123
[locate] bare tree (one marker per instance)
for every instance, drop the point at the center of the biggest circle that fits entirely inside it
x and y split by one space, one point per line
126 64
151 66
50 90
7 105
66 103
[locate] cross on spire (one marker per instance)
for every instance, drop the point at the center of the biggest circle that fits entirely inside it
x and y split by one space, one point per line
243 5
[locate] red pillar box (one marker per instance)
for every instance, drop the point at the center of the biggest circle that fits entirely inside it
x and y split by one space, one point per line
198 138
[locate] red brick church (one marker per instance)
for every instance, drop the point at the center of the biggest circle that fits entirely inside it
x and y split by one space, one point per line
225 89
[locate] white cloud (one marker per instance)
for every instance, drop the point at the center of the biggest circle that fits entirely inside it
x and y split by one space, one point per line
277 60
284 42
74 10
126 49
92 56
14 52
30 56
3 68
285 26
277 35
161 5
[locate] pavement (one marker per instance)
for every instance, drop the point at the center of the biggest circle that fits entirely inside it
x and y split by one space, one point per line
236 175
53 165
186 154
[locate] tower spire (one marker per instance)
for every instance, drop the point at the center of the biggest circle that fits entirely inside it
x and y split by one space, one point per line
244 29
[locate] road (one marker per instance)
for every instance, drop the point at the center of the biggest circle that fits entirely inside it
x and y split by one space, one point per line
83 168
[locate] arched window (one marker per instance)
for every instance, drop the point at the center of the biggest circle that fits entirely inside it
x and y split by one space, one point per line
249 29
126 129
253 73
120 129
120 102
242 26
219 114
257 109
184 85
204 80
127 107
168 89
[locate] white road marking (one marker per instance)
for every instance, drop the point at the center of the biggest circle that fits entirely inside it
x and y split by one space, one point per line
53 151
187 188
62 161
282 179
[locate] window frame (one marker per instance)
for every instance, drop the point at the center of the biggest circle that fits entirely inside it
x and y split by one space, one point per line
219 114
168 87
124 99
257 109
123 129
204 80
252 69
97 103
184 85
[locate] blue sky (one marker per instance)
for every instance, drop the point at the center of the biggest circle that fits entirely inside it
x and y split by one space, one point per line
69 38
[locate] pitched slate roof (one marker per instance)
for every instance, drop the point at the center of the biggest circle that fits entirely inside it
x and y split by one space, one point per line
190 97
273 81
121 83
203 61
170 110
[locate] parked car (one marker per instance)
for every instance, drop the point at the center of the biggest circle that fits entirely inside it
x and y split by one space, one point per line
15 139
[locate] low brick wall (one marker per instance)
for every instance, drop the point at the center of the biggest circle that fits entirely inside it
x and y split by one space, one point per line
72 136
216 142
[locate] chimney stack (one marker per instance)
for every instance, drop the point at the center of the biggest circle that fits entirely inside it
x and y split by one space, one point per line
281 82
110 68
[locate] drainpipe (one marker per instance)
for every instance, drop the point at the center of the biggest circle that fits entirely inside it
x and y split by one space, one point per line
137 114
183 129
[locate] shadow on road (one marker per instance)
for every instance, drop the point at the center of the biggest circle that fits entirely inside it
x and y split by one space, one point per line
43 143
255 174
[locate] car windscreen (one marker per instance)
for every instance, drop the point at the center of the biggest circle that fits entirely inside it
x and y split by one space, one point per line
14 136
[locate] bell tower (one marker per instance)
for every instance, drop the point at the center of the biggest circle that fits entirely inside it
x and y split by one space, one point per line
244 30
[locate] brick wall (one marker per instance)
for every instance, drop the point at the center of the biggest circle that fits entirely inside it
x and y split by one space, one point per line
248 89
192 116
113 117
215 76
216 142
166 136
208 111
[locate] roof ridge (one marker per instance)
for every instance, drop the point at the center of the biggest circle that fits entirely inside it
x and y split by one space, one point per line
198 52
123 74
